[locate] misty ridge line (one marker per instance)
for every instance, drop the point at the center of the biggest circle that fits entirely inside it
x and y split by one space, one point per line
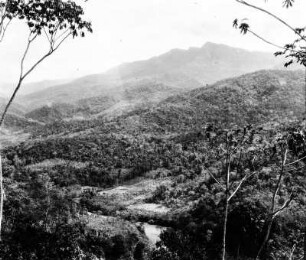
167 60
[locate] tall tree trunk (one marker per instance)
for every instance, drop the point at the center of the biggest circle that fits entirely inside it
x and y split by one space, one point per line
264 242
292 252
305 119
226 208
1 172
1 195
305 93
304 241
224 229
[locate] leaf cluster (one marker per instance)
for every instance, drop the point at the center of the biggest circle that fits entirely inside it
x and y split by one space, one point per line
51 16
295 51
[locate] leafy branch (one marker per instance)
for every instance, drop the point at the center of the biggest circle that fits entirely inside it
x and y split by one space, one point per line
58 20
294 51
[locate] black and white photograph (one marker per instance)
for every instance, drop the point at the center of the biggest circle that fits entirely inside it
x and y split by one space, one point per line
152 130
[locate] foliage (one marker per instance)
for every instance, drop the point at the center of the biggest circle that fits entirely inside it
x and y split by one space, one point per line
50 16
295 51
192 151
195 161
270 186
41 223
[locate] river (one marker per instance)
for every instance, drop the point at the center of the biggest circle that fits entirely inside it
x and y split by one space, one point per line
153 232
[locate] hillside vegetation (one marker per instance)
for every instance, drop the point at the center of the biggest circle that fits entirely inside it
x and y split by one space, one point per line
182 69
142 95
254 98
92 172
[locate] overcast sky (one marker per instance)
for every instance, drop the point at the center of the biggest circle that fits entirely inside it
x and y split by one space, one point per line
129 30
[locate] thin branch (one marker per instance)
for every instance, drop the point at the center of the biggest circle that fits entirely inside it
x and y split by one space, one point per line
270 219
212 175
292 252
60 43
36 64
49 40
52 50
3 30
1 194
62 34
296 161
228 162
30 40
285 205
239 185
266 41
272 15
23 76
296 169
55 31
285 158
279 180
3 12
56 28
273 44
228 173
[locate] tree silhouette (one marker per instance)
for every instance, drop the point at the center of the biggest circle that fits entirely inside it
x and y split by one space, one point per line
54 20
294 52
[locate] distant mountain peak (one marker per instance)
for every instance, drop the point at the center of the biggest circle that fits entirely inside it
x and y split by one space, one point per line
179 68
212 44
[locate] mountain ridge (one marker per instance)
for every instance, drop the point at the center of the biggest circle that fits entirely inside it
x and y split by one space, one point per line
266 96
178 68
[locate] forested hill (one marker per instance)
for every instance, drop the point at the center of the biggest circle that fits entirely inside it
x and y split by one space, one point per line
207 64
253 98
15 108
171 145
180 69
6 89
256 98
141 95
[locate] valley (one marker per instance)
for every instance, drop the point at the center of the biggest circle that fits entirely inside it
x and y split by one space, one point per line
138 156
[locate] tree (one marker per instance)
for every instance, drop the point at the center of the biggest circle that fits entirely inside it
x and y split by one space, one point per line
254 172
54 20
236 150
42 223
295 51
